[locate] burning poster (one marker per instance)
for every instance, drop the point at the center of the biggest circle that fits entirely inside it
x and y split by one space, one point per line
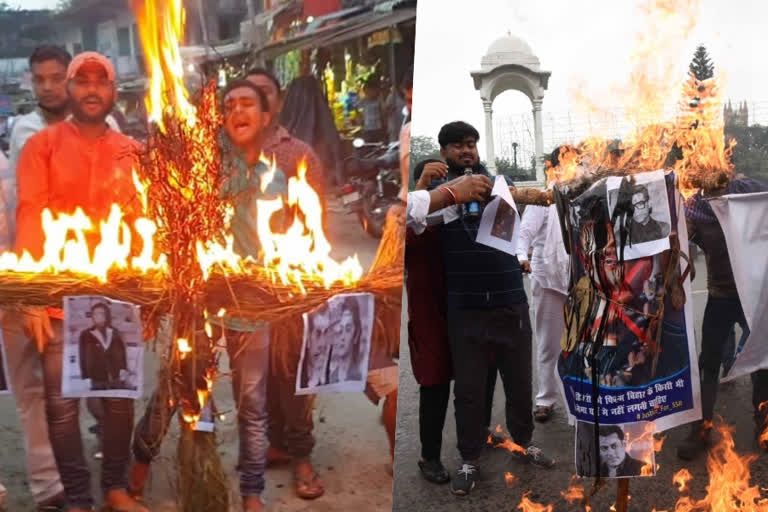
622 451
5 382
337 345
498 225
628 347
742 217
642 215
103 348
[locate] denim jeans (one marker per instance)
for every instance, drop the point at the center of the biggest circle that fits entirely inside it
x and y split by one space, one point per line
66 440
249 361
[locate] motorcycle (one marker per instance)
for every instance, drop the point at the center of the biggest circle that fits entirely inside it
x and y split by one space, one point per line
374 183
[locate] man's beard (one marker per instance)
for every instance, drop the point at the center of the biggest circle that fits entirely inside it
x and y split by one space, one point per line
457 168
101 117
57 110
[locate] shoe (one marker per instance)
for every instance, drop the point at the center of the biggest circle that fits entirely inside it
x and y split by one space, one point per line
434 471
495 438
534 455
55 504
465 479
697 442
542 413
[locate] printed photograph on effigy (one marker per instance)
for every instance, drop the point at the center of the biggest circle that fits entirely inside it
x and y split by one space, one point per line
337 345
614 451
5 385
499 223
103 348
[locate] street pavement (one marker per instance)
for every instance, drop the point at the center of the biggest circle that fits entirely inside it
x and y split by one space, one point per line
351 453
556 438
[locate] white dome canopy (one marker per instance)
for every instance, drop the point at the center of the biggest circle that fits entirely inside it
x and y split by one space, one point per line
509 44
510 49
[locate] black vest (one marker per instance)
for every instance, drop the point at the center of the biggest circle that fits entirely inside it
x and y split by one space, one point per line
478 277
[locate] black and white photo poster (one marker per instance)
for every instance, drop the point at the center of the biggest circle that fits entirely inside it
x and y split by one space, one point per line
103 348
498 225
641 205
336 345
5 382
615 451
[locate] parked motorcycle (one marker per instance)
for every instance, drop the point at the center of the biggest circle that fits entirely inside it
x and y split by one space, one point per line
374 182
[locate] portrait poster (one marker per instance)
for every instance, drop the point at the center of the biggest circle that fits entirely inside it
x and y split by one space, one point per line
499 224
336 345
742 217
623 358
615 451
103 348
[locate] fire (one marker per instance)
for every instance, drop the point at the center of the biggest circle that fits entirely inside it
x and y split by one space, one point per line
763 438
729 481
303 250
648 436
510 479
507 443
526 505
161 27
681 479
575 494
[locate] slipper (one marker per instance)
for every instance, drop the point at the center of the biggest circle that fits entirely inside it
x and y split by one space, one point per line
542 413
309 489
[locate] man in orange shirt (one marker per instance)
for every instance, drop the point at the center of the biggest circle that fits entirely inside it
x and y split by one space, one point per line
78 163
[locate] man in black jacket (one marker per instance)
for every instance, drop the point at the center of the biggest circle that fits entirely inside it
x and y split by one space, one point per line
614 460
487 313
102 352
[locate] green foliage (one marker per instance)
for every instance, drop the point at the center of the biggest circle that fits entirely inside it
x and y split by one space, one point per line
750 155
422 148
701 65
505 166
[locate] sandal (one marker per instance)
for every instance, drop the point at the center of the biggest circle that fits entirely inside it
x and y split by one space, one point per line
542 413
308 488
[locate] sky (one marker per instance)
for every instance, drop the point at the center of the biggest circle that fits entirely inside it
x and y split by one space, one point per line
33 4
588 46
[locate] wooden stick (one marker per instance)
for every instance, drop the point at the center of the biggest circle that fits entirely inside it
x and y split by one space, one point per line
533 196
622 495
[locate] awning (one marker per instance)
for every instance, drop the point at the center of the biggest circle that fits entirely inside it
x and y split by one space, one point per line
342 31
201 53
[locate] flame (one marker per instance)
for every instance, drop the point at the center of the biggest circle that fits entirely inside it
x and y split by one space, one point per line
575 494
762 440
510 479
695 136
729 481
681 479
161 27
507 443
526 505
648 436
303 250
184 347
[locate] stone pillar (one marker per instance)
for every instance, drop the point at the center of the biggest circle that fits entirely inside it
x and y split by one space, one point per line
538 129
490 156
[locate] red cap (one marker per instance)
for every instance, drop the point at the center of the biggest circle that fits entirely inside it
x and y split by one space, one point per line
90 57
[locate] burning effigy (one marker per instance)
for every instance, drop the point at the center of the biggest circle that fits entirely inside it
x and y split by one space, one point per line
174 255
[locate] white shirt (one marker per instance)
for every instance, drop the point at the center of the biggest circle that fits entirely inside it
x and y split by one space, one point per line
416 212
540 229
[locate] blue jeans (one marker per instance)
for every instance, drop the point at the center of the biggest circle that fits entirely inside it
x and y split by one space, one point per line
66 440
249 361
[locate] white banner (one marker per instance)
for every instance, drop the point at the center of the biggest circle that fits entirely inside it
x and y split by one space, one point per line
744 219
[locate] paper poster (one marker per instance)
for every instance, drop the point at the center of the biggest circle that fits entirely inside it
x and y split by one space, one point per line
643 213
743 219
103 348
615 451
336 345
5 381
500 220
612 337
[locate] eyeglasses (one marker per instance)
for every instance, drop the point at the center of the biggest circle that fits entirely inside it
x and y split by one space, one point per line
642 205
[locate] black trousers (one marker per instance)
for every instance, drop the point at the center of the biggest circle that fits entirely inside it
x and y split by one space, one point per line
474 335
433 406
720 316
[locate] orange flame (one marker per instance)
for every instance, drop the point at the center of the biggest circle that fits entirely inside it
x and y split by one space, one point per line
161 27
575 494
507 443
510 479
681 479
729 481
526 505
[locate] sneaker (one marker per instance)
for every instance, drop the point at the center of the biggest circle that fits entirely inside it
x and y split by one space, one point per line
466 476
434 471
495 438
697 442
535 456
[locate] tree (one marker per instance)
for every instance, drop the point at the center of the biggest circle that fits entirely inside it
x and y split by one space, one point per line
701 65
422 148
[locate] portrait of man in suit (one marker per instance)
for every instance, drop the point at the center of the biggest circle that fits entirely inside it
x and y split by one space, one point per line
103 357
614 459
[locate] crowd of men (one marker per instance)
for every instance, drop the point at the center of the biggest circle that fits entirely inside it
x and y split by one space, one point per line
469 314
68 153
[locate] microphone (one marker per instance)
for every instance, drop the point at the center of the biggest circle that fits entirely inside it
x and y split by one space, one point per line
471 209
